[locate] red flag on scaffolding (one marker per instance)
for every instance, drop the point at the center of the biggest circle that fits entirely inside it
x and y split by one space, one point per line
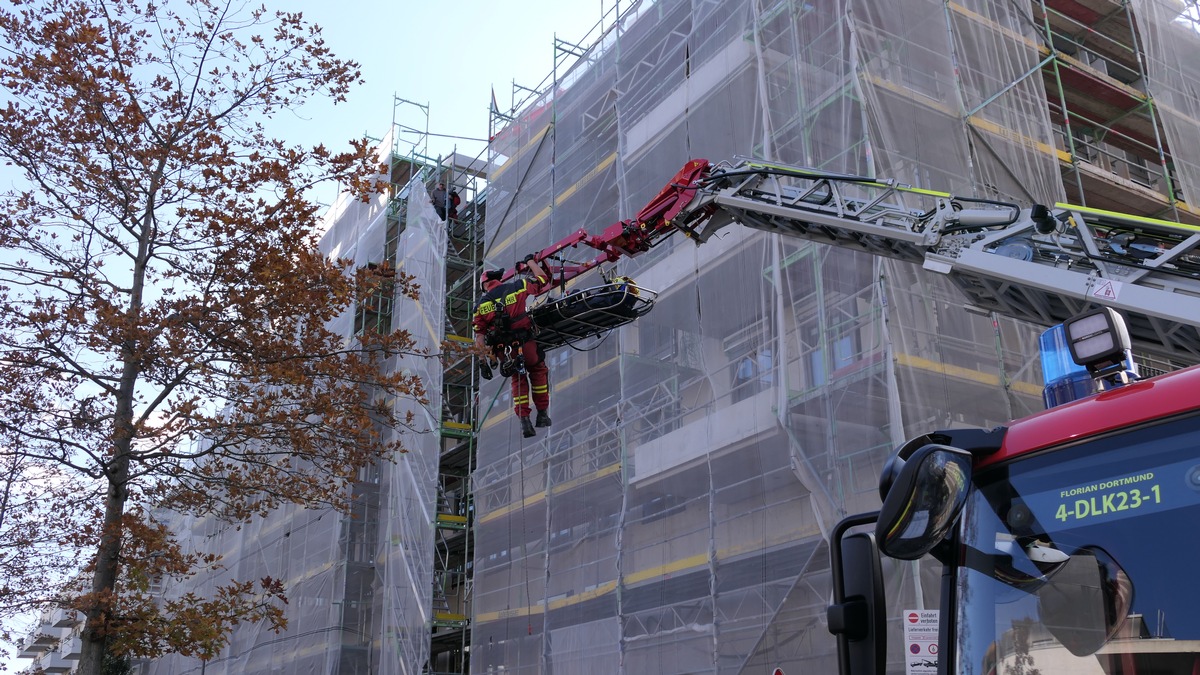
495 112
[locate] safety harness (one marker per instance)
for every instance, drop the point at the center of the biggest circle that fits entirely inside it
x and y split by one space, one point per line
503 337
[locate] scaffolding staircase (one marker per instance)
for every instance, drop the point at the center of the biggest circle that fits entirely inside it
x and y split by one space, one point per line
450 624
1039 264
450 596
444 616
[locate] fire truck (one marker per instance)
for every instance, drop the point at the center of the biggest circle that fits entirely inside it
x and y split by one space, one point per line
1056 535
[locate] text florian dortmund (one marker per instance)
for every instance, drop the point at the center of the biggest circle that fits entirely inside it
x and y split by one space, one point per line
1109 502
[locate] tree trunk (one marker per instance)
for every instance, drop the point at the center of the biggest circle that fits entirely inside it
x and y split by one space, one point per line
104 579
108 557
94 641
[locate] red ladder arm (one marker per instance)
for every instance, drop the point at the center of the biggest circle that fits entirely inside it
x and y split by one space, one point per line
627 237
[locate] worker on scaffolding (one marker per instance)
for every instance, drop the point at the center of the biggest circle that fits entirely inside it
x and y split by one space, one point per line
445 203
502 324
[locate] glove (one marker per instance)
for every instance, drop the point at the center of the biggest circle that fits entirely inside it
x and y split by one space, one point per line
524 262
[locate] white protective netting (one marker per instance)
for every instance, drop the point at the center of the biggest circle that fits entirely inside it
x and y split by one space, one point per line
359 585
674 518
1169 30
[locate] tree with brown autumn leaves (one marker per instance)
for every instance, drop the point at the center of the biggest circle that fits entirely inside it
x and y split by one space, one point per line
164 309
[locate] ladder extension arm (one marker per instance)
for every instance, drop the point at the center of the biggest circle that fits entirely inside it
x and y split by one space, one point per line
1037 264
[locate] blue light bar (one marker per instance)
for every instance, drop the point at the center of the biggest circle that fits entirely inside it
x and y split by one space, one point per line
1063 380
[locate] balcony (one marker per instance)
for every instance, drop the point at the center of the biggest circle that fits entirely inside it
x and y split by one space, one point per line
55 663
71 648
63 618
42 640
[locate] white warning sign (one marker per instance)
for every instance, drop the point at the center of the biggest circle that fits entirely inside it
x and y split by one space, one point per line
920 641
1106 289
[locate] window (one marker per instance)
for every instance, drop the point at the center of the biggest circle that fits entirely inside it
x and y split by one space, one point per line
751 360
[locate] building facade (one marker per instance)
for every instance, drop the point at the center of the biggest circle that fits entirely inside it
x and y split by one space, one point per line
675 518
359 584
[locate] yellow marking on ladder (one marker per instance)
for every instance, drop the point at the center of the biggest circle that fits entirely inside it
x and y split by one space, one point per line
1144 220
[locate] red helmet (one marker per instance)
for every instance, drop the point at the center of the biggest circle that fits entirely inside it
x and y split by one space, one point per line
489 275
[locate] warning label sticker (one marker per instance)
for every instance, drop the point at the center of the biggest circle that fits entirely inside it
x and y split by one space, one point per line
1106 289
920 641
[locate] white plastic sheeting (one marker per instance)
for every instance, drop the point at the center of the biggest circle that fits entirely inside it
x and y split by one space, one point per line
359 585
1169 30
408 492
674 518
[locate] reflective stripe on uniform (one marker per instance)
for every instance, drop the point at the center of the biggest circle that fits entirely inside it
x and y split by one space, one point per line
489 306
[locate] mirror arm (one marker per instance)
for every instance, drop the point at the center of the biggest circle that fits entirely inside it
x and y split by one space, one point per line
946 550
835 551
848 619
978 442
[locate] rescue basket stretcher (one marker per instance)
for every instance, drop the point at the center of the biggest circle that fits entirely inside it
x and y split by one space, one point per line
589 312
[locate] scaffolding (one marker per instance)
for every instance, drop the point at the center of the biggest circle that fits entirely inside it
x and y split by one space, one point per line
675 517
384 588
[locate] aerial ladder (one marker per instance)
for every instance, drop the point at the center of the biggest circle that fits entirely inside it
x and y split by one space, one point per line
1038 263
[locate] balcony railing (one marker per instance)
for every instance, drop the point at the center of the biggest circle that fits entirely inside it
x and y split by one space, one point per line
43 639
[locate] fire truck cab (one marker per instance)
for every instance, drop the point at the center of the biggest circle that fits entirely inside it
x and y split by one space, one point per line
1067 541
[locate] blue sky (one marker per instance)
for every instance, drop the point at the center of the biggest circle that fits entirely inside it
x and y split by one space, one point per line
447 56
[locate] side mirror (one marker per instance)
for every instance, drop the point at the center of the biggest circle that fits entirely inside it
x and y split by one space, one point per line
857 615
923 501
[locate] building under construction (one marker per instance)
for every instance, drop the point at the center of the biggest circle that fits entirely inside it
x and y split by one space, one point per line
675 517
674 520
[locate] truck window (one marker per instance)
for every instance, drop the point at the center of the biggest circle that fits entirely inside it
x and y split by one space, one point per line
1083 559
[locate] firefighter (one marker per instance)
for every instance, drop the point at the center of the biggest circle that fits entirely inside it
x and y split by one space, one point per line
502 324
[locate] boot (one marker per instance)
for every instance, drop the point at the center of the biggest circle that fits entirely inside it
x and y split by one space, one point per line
527 428
543 419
